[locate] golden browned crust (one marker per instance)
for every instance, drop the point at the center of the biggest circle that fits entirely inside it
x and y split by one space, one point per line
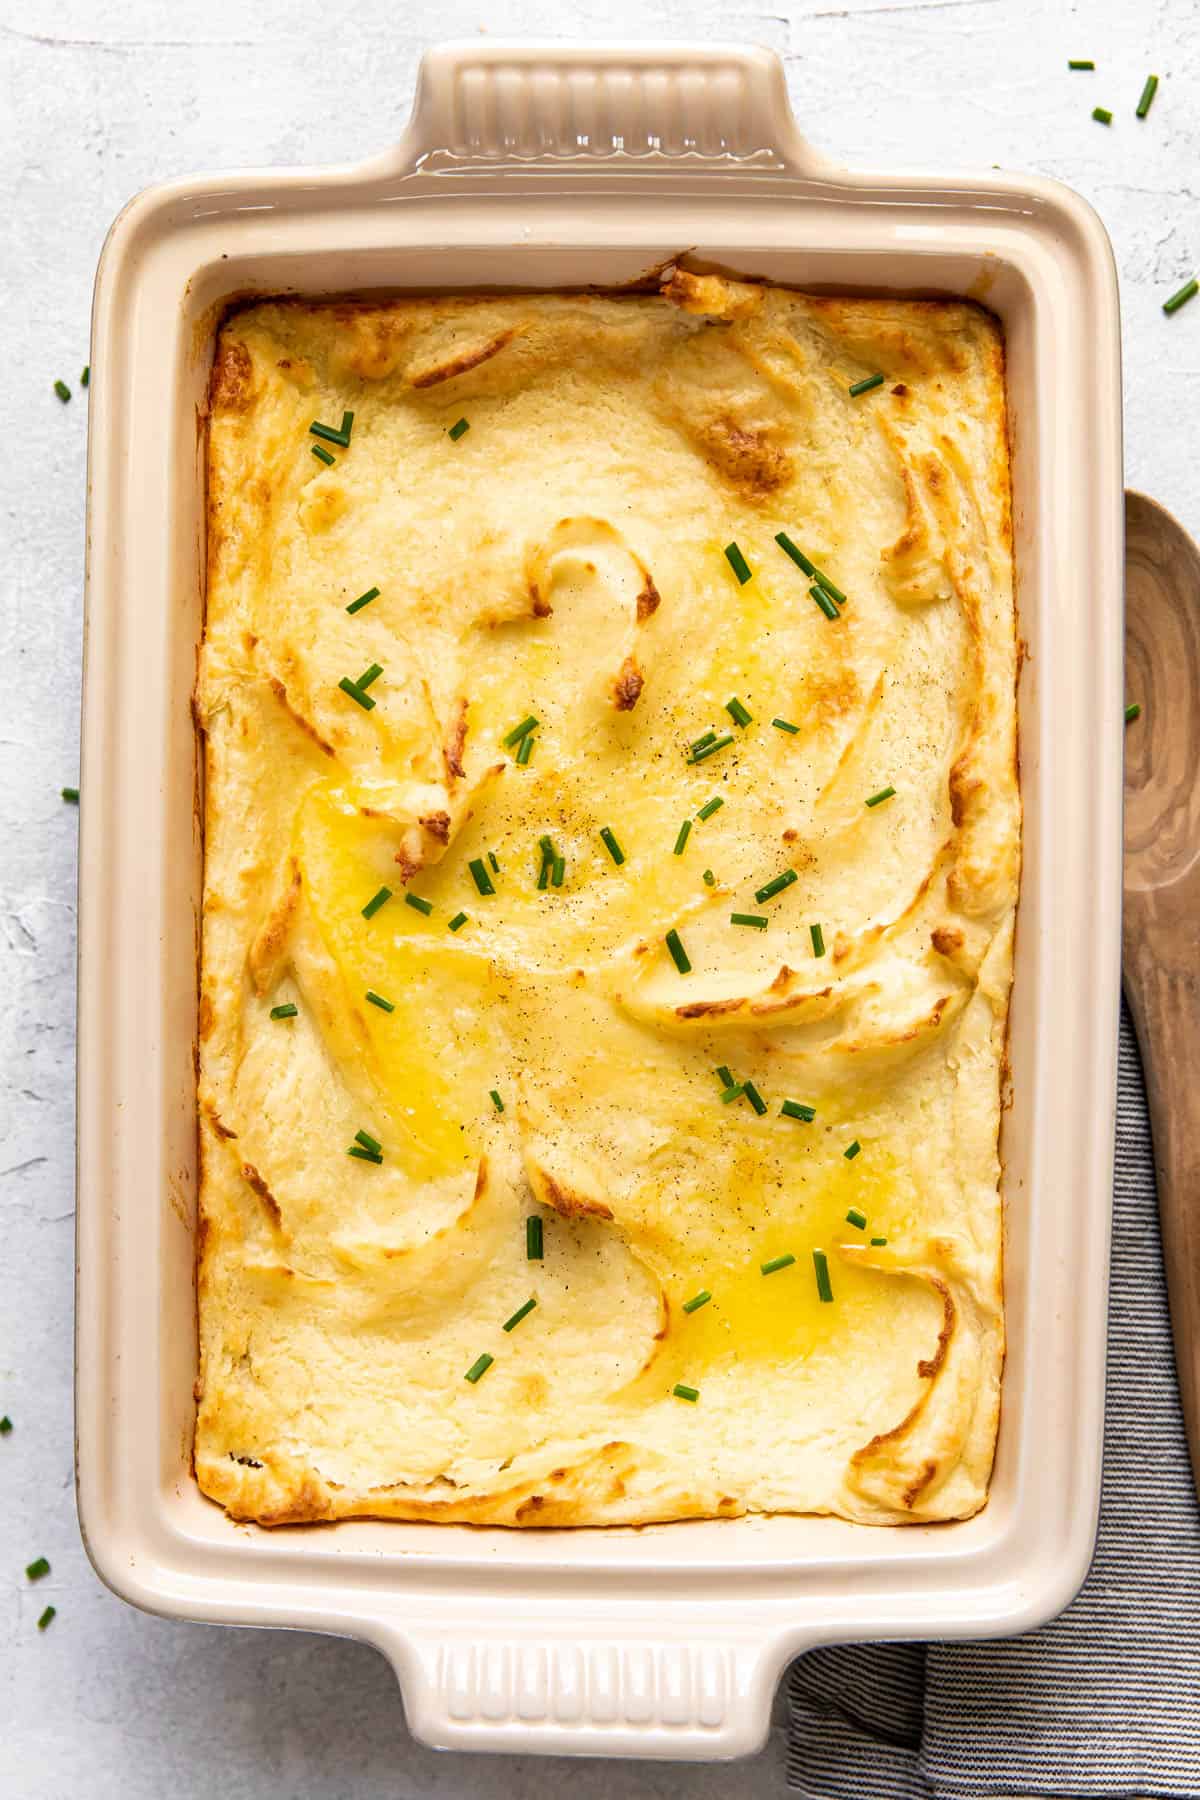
306 725
743 454
710 1009
628 686
232 377
464 360
346 1293
269 948
648 601
455 742
712 295
254 1180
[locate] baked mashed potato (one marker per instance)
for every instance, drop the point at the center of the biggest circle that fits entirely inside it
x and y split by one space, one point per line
607 918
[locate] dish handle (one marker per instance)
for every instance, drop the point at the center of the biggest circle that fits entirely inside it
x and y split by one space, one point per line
645 1692
529 102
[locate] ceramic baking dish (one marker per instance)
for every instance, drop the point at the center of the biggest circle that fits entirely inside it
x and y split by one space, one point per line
531 166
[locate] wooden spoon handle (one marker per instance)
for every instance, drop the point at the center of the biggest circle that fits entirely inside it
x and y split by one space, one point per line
1165 1004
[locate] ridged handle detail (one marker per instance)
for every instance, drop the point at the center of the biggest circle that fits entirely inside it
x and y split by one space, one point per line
646 1685
519 1681
532 103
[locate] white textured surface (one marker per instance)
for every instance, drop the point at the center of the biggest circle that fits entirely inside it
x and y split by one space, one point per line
99 102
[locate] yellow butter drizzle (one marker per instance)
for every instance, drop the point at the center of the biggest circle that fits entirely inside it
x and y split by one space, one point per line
769 1198
433 1057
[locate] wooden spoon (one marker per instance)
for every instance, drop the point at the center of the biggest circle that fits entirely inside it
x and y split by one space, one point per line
1161 957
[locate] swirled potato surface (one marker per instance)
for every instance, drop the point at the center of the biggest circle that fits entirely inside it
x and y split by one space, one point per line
598 1046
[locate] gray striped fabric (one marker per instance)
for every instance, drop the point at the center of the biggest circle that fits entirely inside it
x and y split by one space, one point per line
1104 1701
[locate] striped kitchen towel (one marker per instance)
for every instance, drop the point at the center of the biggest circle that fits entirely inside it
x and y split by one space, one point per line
1105 1700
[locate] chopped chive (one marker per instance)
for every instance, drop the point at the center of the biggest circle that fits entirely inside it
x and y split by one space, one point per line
681 840
524 750
708 878
519 731
737 563
818 940
45 1617
785 725
679 955
852 1150
85 380
546 845
682 1392
1132 711
821 1270
776 1263
348 687
5 1425
724 1076
810 568
737 712
361 1154
533 1239
368 676
1102 115
608 839
1186 293
865 386
707 750
877 1243
495 862
418 904
379 1001
322 456
796 1109
377 900
497 1102
331 434
63 391
71 796
754 1097
755 920
857 1219
558 869
697 1301
1148 93
777 886
363 600
457 922
37 1568
368 1142
479 1367
710 807
701 743
522 1312
480 876
458 429
879 798
1081 63
797 555
287 1011
824 602
733 1093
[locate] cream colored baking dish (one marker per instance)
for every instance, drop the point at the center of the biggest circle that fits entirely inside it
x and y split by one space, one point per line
532 166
